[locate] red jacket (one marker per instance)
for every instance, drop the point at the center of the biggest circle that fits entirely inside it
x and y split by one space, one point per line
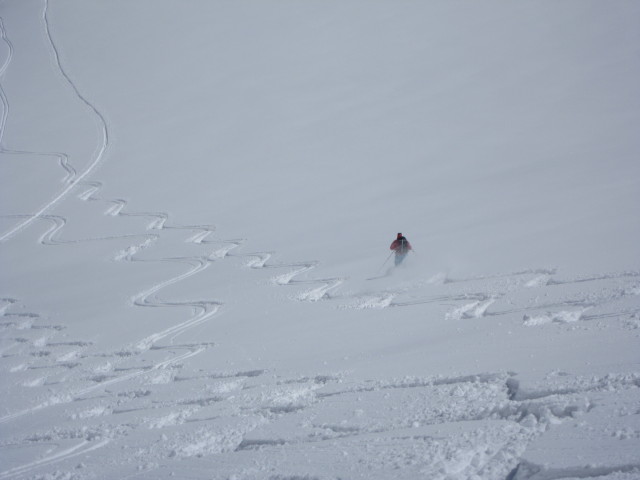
400 245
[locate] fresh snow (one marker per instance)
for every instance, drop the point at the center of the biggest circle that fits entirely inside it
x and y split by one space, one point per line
196 207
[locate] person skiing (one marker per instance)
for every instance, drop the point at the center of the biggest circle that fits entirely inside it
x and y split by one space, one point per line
402 247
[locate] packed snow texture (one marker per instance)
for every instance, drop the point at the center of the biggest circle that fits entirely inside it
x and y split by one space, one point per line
196 208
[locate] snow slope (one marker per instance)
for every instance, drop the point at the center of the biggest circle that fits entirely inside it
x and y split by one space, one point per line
197 203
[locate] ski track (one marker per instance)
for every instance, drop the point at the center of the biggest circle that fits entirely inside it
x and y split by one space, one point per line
62 158
530 471
494 297
73 178
204 309
501 417
82 448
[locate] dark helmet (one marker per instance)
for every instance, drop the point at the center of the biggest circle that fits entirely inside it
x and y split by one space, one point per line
399 235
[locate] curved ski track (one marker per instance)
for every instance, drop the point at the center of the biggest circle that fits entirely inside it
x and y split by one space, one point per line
63 159
73 178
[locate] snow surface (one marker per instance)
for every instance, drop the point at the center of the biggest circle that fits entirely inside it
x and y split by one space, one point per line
196 206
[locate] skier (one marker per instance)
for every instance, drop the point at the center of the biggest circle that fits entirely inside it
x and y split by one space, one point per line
401 246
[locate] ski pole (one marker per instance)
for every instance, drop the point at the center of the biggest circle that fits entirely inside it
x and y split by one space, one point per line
385 262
